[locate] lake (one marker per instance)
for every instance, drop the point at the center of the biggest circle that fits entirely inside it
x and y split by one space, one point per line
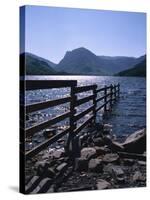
129 113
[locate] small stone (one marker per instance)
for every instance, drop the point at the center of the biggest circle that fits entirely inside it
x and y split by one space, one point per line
107 129
102 184
58 153
138 177
95 165
61 167
142 163
111 157
116 171
88 153
81 164
49 132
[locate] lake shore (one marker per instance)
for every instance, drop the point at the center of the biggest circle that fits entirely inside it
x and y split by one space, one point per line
99 165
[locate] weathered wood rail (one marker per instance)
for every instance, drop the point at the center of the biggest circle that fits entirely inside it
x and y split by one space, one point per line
106 96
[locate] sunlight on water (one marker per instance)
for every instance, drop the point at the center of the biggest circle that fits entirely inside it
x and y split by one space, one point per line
128 115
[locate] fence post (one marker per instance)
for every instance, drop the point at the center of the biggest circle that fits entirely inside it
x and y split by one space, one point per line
111 96
105 98
118 90
115 94
72 123
94 102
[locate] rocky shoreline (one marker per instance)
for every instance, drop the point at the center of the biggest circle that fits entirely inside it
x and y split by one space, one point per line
100 163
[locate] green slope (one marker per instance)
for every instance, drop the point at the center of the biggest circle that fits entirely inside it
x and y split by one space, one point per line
137 70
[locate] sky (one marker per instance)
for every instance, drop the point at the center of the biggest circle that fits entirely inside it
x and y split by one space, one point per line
51 31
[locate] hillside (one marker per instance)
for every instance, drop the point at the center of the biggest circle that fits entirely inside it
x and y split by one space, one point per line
138 70
35 65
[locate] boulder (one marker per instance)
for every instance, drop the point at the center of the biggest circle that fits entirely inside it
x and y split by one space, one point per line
136 142
95 165
110 158
88 153
81 164
102 184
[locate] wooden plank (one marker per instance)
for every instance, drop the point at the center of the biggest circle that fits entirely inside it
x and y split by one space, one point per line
45 144
84 100
48 84
94 103
84 125
84 88
100 90
100 107
100 99
46 104
30 131
80 115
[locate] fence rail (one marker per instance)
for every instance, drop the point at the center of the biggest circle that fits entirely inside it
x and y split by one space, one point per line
106 96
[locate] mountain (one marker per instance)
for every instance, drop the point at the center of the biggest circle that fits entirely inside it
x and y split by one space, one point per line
83 61
42 59
138 70
80 61
118 63
35 65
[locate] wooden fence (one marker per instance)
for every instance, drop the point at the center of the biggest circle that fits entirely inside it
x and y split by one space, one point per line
106 96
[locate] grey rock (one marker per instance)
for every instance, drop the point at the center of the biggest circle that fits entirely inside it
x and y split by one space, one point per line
142 163
116 172
95 165
58 154
88 153
136 142
61 167
42 186
138 177
102 184
33 180
111 157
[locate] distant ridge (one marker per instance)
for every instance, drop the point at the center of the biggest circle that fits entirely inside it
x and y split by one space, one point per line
80 61
83 61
